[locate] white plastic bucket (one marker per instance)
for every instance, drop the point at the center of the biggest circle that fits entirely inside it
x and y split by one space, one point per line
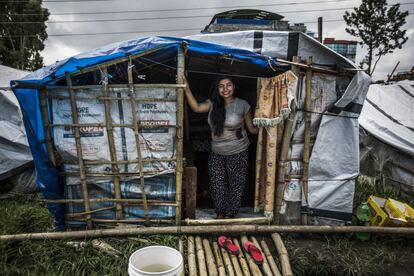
155 256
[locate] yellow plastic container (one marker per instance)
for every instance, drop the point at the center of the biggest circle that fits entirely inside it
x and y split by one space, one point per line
380 217
409 215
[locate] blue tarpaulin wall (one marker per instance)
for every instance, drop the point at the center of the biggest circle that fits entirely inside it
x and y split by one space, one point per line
47 176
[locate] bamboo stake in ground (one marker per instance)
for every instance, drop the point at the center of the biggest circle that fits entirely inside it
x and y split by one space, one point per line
283 255
202 269
192 267
259 156
46 125
180 133
82 174
270 259
307 134
242 259
253 266
132 97
111 141
265 266
228 263
219 260
211 263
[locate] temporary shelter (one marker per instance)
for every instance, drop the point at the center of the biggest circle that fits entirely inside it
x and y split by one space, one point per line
387 134
16 162
107 127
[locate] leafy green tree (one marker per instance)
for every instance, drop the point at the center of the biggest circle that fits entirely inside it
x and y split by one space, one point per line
22 33
378 25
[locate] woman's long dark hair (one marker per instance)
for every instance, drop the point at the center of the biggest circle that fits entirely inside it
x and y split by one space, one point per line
218 113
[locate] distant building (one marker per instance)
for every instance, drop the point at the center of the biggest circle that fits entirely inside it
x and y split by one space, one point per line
347 48
247 19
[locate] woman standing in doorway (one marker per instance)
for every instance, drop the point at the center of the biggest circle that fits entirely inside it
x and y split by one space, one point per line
228 117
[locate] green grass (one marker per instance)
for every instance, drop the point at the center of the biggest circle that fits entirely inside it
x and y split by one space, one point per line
344 255
55 257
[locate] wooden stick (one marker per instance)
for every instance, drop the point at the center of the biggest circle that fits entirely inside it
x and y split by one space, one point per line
228 229
259 156
131 94
181 250
254 268
81 165
270 259
46 127
256 220
190 191
307 134
200 257
242 259
118 86
113 125
100 200
219 260
228 263
265 266
82 214
180 133
211 263
132 221
192 267
283 255
111 142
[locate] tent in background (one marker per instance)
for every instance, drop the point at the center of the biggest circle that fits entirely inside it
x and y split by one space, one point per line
16 162
387 134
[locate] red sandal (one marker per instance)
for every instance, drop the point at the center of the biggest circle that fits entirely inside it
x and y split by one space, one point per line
227 244
254 252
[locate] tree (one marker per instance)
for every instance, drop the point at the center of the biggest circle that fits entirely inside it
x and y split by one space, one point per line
22 33
378 25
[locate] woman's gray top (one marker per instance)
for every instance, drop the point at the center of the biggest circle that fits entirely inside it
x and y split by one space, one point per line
234 138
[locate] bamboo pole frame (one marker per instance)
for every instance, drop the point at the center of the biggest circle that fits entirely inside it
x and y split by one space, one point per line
254 268
284 149
111 142
115 86
81 165
46 127
230 266
202 268
191 257
256 220
265 265
242 259
269 257
131 94
113 125
219 260
307 134
121 200
211 263
180 131
283 255
227 229
259 155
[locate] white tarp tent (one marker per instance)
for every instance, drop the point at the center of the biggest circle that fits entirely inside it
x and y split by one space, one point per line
15 154
387 134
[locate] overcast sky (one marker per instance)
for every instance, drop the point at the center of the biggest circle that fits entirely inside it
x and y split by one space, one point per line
139 18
